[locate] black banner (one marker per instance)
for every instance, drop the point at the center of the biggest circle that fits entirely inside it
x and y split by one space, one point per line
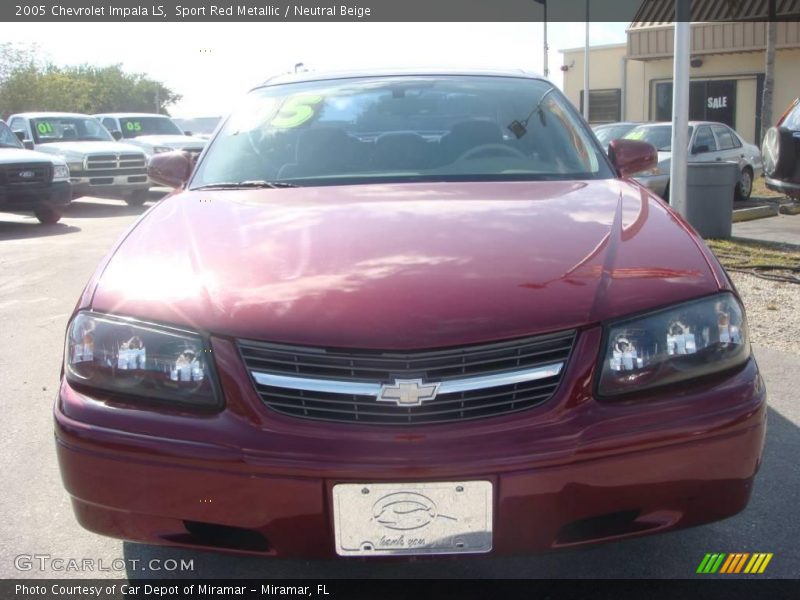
382 10
382 589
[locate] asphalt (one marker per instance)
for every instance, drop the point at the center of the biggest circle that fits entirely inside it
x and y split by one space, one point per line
42 271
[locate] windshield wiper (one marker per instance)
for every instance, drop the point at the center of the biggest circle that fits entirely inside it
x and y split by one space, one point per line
237 185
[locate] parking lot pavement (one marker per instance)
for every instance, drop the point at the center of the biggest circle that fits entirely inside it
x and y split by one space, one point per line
42 271
781 228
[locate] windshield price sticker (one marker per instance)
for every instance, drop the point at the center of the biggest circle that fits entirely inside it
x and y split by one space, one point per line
133 126
296 110
44 127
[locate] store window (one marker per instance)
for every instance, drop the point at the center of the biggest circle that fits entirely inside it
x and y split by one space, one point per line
605 106
708 101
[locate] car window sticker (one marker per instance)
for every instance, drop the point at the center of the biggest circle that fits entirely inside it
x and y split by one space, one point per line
296 110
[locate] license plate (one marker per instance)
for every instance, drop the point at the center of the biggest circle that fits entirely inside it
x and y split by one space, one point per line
378 519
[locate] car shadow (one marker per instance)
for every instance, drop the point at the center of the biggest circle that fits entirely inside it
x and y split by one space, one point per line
88 207
768 524
16 230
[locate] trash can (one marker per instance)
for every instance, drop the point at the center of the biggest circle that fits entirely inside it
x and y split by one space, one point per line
709 197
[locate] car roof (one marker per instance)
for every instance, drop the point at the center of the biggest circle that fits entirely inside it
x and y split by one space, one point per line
693 123
307 76
35 115
130 114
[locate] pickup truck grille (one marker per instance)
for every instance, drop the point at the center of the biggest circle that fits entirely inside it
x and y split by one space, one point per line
25 174
346 385
123 160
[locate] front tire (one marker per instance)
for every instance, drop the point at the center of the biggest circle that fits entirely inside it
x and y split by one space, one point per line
47 215
745 186
137 198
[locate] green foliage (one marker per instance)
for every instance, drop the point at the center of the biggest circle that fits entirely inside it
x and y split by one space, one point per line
27 84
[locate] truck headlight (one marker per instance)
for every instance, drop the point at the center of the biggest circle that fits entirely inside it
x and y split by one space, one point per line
60 173
140 360
649 172
160 149
682 342
74 167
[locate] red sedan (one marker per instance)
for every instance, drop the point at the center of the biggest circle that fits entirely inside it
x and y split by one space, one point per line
407 313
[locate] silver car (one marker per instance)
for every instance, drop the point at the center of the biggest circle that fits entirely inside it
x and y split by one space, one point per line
708 142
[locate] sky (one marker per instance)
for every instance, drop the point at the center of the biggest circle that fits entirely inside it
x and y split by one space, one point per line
213 64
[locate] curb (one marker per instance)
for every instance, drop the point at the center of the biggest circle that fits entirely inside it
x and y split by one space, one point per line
758 212
790 209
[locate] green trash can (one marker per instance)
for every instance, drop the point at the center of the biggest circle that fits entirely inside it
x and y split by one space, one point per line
710 188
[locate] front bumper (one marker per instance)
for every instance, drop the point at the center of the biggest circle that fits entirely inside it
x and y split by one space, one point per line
56 194
571 472
111 185
790 188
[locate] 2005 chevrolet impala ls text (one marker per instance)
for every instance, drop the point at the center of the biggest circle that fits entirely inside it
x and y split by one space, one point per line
407 313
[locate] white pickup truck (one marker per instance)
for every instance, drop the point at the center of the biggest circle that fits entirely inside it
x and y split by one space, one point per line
31 181
151 132
98 165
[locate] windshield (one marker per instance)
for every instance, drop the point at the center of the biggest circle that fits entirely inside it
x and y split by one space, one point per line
396 129
7 137
68 129
659 136
612 132
135 126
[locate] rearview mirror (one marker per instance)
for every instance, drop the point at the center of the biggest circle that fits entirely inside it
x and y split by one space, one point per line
187 133
631 156
116 134
171 169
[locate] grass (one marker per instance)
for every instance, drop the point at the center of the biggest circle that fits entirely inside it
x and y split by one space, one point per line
748 253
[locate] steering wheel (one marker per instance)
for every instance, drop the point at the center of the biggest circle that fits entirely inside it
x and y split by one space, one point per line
473 153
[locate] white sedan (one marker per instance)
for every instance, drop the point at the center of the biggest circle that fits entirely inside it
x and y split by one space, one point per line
708 142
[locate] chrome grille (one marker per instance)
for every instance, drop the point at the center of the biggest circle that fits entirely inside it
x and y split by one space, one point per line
123 160
340 385
26 174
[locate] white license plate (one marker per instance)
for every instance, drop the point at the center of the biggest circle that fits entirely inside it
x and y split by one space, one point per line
372 519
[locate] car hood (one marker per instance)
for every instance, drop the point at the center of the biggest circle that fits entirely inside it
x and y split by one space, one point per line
173 141
403 266
74 149
18 155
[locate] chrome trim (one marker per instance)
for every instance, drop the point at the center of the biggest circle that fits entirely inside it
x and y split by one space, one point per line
452 386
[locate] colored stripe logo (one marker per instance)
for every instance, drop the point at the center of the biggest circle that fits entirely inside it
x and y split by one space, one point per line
737 562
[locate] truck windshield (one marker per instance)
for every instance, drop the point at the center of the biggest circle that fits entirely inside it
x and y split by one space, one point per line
135 126
68 129
398 129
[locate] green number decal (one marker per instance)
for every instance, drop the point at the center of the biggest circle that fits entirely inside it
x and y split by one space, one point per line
133 126
44 128
296 111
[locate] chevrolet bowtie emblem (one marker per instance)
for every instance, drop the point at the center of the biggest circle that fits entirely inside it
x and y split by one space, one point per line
408 392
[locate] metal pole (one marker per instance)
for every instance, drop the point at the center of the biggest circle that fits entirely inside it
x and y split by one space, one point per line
680 108
586 68
546 70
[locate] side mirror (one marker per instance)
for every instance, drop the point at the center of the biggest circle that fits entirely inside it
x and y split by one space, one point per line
187 133
700 148
631 156
20 135
171 169
28 144
116 134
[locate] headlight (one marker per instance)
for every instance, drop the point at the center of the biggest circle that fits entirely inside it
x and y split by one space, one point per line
649 172
60 173
160 149
137 359
683 342
75 166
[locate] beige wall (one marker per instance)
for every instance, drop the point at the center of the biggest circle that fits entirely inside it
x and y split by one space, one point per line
639 105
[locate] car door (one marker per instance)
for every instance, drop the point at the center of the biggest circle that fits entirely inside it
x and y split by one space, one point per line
729 148
704 146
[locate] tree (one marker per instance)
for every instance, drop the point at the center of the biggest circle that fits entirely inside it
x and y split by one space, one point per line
28 85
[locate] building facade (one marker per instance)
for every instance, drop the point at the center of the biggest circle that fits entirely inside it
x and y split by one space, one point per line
633 81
